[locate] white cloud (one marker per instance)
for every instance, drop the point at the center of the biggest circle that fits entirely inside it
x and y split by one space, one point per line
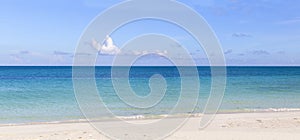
61 53
26 57
108 47
162 53
260 52
228 51
241 35
157 52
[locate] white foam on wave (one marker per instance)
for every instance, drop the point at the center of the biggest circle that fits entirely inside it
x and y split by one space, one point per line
136 117
276 110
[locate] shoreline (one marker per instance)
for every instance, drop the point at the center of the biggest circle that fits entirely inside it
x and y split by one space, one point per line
146 117
154 117
268 125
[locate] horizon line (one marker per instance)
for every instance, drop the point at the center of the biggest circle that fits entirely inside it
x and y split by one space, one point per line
150 66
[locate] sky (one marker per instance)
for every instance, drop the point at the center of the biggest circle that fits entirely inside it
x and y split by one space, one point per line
257 32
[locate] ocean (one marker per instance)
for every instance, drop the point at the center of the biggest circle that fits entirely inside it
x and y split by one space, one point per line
45 93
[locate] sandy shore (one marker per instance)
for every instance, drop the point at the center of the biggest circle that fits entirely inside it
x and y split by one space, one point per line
237 126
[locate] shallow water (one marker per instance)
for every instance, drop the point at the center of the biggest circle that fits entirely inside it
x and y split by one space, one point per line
35 94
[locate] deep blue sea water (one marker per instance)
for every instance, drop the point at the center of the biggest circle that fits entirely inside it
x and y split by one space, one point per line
38 94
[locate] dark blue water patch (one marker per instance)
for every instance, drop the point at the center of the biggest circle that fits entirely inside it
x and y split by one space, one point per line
233 71
54 72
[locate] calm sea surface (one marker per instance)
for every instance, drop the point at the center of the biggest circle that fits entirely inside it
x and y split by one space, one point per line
35 94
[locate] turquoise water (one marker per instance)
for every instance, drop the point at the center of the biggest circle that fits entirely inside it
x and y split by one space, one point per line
38 94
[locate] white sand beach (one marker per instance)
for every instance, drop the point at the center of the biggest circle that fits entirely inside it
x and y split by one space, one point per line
235 126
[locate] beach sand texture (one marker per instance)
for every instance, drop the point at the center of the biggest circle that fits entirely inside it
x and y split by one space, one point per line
236 126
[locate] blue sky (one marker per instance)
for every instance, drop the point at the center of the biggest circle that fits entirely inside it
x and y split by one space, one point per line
258 32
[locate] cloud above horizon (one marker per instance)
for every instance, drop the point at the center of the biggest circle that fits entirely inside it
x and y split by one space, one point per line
241 35
228 51
26 57
61 53
145 52
260 52
107 48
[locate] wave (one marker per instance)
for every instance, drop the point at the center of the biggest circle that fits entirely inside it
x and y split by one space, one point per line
277 110
161 116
